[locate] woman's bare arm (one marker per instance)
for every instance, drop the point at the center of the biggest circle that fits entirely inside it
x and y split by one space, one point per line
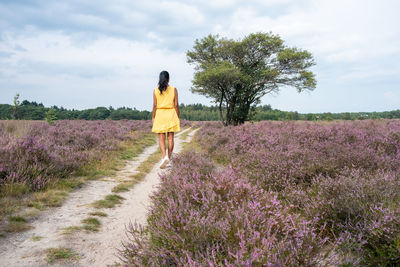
176 103
154 106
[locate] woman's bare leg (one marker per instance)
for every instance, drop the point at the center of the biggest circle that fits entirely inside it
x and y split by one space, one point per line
170 144
161 141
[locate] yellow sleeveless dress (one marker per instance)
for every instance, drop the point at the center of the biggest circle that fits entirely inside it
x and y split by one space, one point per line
166 119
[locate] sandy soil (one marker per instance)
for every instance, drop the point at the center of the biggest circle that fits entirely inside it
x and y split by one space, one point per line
94 248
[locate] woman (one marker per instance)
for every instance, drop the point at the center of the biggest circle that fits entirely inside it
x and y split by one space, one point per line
166 116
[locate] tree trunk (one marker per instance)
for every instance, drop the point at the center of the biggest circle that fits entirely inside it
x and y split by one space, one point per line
228 114
230 111
221 116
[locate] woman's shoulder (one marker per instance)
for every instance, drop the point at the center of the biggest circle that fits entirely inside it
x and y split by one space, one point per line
172 87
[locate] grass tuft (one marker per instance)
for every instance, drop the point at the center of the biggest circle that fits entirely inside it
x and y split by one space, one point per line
17 226
122 187
98 213
17 219
71 229
50 198
91 224
37 205
31 213
60 253
36 238
109 202
69 184
14 190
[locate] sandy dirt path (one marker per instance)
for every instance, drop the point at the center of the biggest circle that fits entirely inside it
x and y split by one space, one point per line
94 248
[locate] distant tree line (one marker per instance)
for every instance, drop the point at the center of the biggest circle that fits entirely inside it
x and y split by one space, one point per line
267 113
33 111
195 112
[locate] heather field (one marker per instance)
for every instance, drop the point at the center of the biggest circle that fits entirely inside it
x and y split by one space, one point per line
32 153
277 194
41 163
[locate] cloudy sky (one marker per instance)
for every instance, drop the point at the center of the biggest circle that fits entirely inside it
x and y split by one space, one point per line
84 54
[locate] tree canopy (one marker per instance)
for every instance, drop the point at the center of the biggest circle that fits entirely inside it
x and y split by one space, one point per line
237 73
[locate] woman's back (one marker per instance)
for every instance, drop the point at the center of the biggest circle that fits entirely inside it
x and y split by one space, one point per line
165 118
166 99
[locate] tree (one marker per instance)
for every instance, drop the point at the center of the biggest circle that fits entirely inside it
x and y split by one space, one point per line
51 116
346 116
327 116
15 107
236 74
309 116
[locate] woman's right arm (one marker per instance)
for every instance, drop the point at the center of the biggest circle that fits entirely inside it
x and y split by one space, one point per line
154 106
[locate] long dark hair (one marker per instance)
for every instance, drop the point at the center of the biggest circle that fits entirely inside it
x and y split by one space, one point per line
163 83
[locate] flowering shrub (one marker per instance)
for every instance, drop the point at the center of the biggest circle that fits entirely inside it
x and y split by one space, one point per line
363 213
277 154
287 194
205 218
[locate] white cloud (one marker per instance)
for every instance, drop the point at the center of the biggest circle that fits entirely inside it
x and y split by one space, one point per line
368 73
88 19
155 37
217 4
392 98
357 40
183 12
340 31
52 61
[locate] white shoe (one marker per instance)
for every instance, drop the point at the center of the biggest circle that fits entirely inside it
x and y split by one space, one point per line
169 164
164 162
